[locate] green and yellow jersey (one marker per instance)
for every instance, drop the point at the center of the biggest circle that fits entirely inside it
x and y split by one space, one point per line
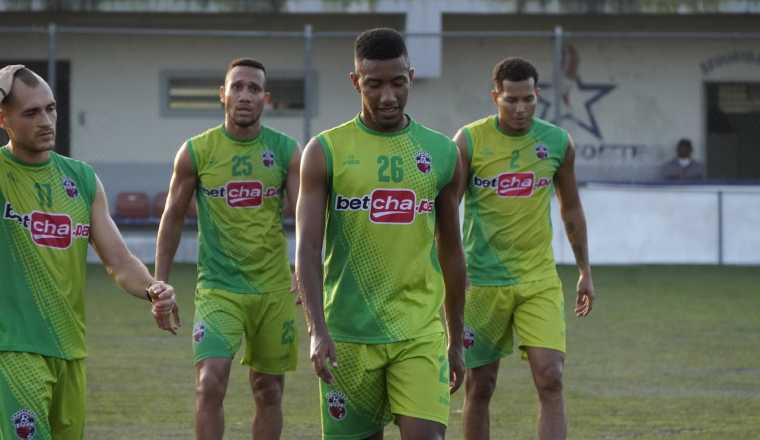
382 279
507 220
44 232
241 243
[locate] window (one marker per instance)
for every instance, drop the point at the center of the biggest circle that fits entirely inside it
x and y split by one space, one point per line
197 93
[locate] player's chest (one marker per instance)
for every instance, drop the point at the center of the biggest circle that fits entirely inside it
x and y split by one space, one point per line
253 164
520 170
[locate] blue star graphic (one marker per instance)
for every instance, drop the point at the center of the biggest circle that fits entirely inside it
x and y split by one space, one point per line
596 92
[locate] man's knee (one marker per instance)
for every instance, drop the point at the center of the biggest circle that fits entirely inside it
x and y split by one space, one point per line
211 385
548 379
267 389
480 387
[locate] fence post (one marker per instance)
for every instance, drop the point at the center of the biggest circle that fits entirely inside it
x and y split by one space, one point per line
51 73
557 74
308 105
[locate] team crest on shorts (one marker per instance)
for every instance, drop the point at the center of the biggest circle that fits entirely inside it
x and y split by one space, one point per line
541 151
336 405
25 423
199 332
267 158
469 337
70 187
424 162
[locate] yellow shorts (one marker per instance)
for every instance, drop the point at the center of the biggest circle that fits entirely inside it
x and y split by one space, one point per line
375 382
41 398
535 311
266 320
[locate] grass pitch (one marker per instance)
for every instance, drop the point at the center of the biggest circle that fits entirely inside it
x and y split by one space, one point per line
669 352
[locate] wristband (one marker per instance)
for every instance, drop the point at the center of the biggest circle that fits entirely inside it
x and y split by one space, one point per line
147 295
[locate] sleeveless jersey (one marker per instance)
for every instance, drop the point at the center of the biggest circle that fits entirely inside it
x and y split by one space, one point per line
44 232
241 242
507 221
382 277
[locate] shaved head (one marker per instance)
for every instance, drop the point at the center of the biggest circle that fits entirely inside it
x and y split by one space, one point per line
28 78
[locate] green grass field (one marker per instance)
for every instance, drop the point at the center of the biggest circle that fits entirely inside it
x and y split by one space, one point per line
669 352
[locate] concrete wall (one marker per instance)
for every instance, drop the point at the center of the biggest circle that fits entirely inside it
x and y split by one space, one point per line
629 99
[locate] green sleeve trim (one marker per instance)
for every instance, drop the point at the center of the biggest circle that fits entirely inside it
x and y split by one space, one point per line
193 159
325 144
291 146
565 142
91 185
470 143
454 156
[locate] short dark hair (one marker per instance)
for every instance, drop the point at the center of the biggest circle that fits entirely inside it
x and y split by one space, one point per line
380 44
247 62
686 142
513 69
26 76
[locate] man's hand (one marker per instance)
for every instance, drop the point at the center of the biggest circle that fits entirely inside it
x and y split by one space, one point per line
165 309
585 299
294 288
456 367
323 351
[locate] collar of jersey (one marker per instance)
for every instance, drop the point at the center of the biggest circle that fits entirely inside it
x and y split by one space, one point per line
241 141
6 150
511 136
360 124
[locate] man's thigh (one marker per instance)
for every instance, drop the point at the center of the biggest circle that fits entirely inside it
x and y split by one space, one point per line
418 379
41 398
488 324
271 335
218 324
355 407
539 318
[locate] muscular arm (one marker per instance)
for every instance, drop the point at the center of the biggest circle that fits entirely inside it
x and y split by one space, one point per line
292 183
310 224
461 140
575 226
181 190
451 257
129 273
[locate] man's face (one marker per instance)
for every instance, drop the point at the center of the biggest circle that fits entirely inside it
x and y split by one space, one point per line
683 150
384 88
30 117
243 95
516 103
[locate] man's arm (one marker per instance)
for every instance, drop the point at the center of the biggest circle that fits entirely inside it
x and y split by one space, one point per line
181 190
129 272
461 140
451 256
310 224
292 183
575 226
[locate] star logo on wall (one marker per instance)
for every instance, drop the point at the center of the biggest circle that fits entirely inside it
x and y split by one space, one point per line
578 98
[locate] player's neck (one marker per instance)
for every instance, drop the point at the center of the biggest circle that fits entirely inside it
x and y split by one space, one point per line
369 123
28 156
509 131
242 133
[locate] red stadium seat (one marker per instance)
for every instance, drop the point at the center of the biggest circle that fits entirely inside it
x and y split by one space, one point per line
132 207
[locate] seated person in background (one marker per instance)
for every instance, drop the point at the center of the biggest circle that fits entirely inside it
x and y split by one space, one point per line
683 166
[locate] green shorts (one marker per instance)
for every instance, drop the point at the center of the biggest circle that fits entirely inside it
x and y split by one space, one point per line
266 320
375 382
492 314
41 398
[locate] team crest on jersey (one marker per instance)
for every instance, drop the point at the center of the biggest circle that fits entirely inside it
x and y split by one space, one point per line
24 421
424 162
199 332
336 405
469 337
542 152
267 158
70 187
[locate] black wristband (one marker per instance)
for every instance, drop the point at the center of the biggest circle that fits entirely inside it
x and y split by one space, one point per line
147 295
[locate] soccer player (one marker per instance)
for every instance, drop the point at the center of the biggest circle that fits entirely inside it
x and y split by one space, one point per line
383 188
238 171
514 162
52 206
